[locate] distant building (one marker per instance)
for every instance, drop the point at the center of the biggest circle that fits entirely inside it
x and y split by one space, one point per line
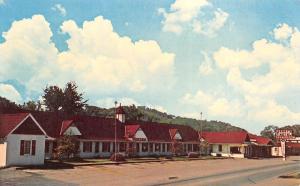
237 144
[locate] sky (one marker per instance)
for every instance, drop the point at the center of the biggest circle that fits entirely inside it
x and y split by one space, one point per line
234 61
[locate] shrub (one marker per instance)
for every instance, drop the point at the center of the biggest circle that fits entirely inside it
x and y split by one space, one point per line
117 157
169 157
193 155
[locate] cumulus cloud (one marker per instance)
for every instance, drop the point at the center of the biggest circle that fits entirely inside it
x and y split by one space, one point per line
260 90
97 58
283 31
10 93
214 105
59 8
185 13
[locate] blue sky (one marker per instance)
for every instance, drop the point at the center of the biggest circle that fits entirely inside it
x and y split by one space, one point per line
235 61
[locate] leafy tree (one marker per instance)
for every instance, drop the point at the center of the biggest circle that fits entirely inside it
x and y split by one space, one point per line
53 98
32 105
7 106
73 101
66 147
269 131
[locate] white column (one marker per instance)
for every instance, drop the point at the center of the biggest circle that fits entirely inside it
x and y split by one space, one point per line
112 147
100 147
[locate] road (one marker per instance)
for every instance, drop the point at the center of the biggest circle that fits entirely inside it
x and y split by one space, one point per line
201 172
253 176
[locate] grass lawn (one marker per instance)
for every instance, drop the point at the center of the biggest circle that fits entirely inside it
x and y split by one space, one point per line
97 161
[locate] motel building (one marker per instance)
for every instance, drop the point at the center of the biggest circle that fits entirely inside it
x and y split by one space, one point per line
237 144
30 138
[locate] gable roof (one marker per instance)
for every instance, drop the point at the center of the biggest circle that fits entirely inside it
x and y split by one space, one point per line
130 130
12 122
233 137
8 122
260 140
65 125
161 132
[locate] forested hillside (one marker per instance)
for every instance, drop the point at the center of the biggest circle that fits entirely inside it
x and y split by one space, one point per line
133 113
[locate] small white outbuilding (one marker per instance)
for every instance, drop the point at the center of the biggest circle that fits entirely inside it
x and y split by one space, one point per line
22 140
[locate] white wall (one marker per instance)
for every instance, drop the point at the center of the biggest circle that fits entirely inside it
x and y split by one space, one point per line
226 150
13 150
276 151
3 154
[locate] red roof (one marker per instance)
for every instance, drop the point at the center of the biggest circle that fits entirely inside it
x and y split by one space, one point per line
65 125
173 133
9 121
233 137
130 130
161 132
260 140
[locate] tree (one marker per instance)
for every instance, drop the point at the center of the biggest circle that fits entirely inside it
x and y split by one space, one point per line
66 147
53 98
32 105
73 101
269 132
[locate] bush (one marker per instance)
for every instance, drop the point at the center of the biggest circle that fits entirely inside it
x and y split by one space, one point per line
193 155
169 157
117 157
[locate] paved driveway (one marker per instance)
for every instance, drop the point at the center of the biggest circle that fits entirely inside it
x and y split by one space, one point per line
201 172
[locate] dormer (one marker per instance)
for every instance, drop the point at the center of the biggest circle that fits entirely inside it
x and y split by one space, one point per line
120 114
68 128
175 135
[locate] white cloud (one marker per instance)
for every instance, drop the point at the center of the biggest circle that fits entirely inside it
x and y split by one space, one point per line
97 58
205 68
260 90
185 13
2 2
10 93
59 8
157 107
282 31
215 105
211 27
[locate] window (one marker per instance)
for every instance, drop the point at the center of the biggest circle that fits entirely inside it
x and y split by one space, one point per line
137 147
145 147
220 148
168 147
122 147
151 147
163 147
97 147
157 147
106 147
27 147
195 147
189 147
87 146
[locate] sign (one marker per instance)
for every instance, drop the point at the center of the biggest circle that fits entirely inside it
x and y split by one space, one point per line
283 134
282 142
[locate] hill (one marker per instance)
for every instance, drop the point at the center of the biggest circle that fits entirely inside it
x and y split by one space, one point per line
147 114
135 113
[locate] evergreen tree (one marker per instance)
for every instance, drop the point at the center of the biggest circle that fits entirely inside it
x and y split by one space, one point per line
73 101
53 98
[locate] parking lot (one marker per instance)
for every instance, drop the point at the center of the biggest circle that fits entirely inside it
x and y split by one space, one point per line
198 172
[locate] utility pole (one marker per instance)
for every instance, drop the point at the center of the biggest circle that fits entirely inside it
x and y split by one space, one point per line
116 129
201 123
